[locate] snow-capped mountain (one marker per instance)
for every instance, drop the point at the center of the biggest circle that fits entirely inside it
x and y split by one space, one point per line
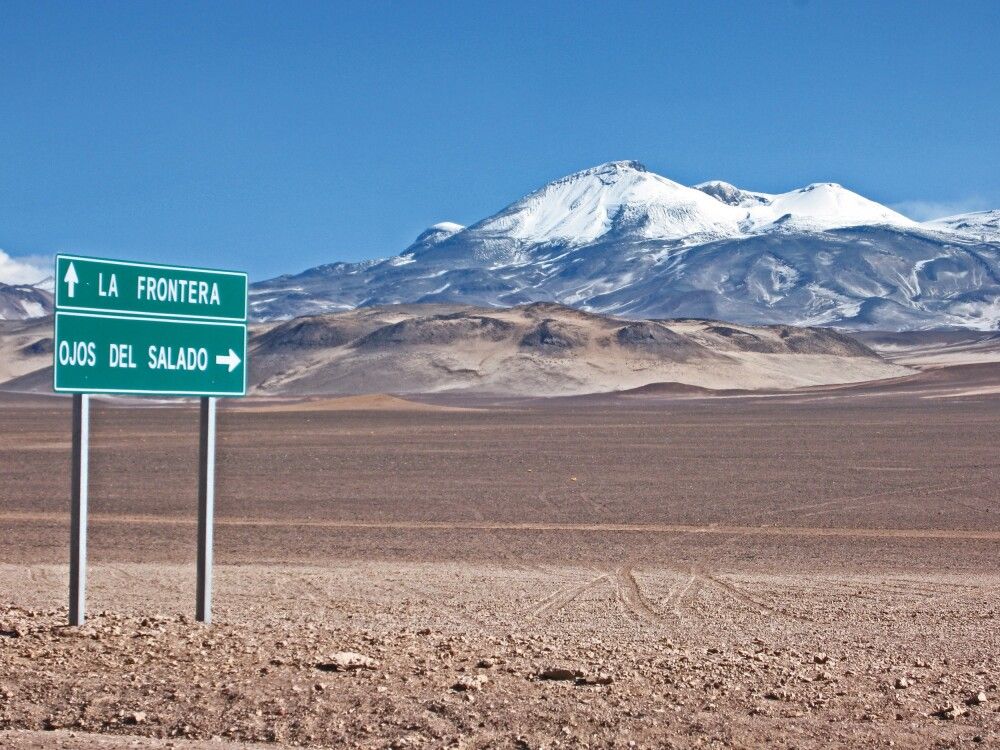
732 195
981 225
620 198
23 301
620 239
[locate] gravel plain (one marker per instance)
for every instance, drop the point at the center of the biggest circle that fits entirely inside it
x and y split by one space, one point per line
810 571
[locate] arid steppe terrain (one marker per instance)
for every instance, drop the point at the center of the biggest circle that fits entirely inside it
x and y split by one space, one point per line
818 568
535 350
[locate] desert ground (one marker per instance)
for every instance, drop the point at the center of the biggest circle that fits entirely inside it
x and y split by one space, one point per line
811 569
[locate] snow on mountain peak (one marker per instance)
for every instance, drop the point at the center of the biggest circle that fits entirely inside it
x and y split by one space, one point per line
23 301
622 197
983 225
818 206
438 233
827 205
48 284
609 168
448 226
732 195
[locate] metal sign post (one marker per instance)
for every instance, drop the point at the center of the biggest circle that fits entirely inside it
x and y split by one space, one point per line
144 328
78 509
206 508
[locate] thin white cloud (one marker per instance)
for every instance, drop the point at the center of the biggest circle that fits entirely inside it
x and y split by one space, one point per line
25 270
927 210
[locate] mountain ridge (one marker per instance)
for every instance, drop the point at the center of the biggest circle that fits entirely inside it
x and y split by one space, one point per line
620 239
25 301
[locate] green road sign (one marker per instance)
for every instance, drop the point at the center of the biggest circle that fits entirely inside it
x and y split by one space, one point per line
147 329
129 354
114 286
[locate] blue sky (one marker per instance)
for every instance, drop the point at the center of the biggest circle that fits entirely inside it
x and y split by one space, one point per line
272 137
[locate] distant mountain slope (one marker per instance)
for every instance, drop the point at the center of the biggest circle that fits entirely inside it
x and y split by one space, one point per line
981 225
543 349
540 349
621 240
25 347
20 302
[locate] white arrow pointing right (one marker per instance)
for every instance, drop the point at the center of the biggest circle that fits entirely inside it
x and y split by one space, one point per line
232 359
71 280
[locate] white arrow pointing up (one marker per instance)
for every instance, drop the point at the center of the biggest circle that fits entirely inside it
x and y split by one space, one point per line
71 279
232 359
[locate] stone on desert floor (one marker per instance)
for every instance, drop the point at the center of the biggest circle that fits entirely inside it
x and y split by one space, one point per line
347 661
977 699
469 683
951 712
559 673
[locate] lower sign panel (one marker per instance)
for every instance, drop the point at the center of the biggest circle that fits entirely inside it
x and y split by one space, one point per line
110 354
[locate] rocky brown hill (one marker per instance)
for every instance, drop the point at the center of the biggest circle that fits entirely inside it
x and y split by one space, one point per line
539 349
543 349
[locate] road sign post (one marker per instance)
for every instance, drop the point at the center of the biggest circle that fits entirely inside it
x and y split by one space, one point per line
147 329
78 509
206 508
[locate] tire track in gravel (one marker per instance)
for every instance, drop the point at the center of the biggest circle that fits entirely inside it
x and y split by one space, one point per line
939 587
675 599
842 503
930 591
121 575
631 595
445 599
304 584
41 575
739 594
562 597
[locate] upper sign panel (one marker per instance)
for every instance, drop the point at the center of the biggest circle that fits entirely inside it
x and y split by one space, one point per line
114 286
